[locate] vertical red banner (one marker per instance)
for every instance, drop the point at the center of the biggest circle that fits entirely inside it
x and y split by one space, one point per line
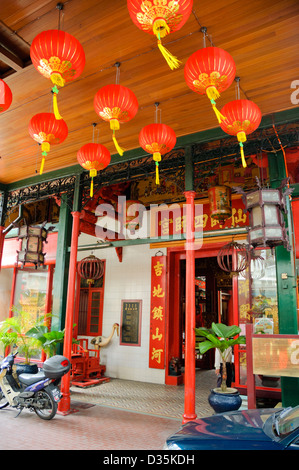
158 312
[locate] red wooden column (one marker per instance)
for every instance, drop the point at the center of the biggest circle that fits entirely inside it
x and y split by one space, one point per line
2 237
189 413
251 392
48 304
64 406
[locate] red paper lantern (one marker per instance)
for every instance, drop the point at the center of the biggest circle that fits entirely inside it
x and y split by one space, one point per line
157 139
210 71
93 157
5 96
58 56
242 118
160 17
91 269
45 129
116 104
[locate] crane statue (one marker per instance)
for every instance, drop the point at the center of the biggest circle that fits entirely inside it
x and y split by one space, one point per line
102 341
86 368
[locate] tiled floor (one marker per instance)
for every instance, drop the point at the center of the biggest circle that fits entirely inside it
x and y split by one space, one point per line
117 415
159 400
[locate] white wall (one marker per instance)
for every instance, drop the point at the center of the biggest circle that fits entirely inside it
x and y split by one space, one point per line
126 280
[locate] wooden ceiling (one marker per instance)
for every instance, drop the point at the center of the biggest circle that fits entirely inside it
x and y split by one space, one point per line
261 35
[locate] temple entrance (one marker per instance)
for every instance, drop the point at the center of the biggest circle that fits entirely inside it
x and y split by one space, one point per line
213 301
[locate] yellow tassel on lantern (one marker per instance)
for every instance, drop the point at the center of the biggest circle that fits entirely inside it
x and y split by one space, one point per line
212 93
118 148
219 116
55 104
172 61
42 166
114 124
45 150
161 28
242 138
92 174
157 159
57 79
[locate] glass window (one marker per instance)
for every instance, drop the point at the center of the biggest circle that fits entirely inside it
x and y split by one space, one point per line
258 304
31 291
257 292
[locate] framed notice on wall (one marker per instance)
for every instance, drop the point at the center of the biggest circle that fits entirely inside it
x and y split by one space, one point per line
130 325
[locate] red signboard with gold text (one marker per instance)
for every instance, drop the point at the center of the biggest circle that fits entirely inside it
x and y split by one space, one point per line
157 319
171 219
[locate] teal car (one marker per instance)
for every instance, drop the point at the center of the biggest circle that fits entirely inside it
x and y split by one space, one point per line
258 429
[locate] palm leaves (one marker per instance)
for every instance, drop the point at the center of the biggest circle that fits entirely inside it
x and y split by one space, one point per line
222 337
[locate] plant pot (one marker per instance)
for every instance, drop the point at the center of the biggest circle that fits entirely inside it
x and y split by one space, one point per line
27 369
224 401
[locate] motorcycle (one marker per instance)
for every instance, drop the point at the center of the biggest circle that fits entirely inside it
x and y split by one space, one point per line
38 391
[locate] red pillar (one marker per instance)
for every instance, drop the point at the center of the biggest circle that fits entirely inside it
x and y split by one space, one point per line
189 413
2 237
12 292
64 406
48 304
251 392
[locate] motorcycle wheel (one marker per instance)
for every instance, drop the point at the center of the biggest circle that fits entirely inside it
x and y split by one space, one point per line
3 400
50 406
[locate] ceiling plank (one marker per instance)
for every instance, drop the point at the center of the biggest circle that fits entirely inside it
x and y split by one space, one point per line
10 59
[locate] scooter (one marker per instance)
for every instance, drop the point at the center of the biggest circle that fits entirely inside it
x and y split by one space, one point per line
38 392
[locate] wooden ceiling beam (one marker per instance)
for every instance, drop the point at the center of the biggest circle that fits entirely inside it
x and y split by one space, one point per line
10 59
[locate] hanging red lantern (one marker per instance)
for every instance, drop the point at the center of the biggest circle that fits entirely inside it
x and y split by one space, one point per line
242 118
116 104
45 129
160 17
157 139
91 268
210 71
93 157
5 96
58 56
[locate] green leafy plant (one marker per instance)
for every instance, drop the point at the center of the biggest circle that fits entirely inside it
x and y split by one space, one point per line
7 339
13 331
47 340
30 334
222 337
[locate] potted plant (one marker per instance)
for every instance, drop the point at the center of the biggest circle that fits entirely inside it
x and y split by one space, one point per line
13 331
46 339
222 337
7 338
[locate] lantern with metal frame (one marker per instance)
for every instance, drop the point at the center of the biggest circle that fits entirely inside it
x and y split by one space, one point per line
266 208
33 237
91 268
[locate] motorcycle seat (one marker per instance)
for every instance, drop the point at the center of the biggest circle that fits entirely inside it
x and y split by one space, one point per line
29 379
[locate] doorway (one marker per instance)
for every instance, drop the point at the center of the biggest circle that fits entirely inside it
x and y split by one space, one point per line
213 301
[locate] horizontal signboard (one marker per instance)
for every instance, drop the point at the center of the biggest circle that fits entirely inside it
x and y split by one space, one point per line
276 355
